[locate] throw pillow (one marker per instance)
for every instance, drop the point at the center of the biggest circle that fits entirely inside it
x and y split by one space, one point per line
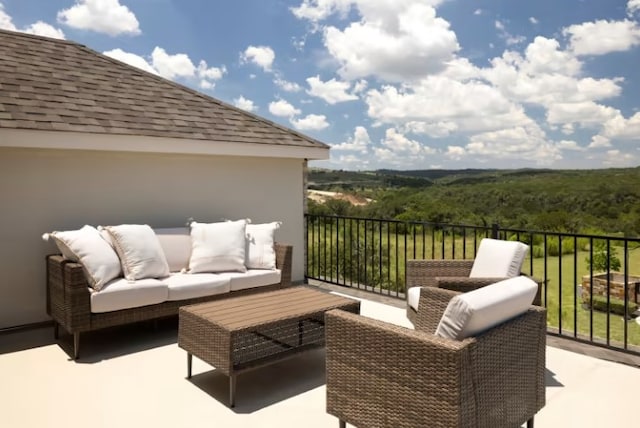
471 313
86 246
260 253
218 247
140 253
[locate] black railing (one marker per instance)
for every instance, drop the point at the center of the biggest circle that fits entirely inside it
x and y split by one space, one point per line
591 283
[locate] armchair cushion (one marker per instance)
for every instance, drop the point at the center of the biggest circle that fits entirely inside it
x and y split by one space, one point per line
498 259
471 313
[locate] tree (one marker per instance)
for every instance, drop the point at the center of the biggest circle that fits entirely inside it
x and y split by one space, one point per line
600 257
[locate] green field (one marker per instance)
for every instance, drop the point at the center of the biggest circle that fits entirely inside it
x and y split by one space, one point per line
351 253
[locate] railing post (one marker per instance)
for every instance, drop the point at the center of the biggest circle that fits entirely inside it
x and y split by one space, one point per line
494 230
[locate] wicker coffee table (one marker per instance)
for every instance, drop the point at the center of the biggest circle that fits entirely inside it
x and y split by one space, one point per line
243 333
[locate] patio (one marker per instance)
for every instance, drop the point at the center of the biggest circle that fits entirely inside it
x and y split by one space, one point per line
135 376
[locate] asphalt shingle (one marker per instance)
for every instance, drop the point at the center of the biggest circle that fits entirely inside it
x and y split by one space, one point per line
50 84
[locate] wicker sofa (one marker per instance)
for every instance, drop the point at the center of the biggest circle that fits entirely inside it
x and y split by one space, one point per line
73 304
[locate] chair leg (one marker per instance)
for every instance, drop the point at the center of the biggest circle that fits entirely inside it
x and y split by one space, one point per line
530 423
76 345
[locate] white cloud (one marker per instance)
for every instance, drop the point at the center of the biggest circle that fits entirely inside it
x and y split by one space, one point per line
517 143
533 20
311 122
633 6
509 38
598 141
617 158
282 108
286 85
587 113
262 56
43 29
570 145
131 59
601 37
172 66
6 23
359 142
39 28
624 129
102 16
332 91
436 101
245 104
477 12
396 41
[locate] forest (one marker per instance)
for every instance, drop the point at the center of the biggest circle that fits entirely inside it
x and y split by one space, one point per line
597 201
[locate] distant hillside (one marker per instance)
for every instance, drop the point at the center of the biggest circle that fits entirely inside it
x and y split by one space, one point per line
607 200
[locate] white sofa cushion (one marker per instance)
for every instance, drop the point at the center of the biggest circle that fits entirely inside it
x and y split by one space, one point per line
138 247
188 286
123 294
176 245
471 313
252 278
218 247
260 252
498 259
99 260
413 297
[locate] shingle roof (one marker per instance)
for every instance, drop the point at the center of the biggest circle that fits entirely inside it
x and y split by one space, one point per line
58 85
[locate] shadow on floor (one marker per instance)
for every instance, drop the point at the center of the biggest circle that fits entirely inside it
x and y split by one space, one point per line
262 387
550 378
113 342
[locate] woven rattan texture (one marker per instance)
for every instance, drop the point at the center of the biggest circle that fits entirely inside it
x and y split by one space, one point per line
381 375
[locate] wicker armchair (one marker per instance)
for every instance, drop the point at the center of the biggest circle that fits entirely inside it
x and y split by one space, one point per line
381 375
455 274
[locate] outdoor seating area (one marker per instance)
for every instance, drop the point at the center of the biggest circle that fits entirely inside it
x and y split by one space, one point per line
135 375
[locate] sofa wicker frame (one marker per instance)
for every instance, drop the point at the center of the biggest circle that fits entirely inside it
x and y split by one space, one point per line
383 375
69 302
450 275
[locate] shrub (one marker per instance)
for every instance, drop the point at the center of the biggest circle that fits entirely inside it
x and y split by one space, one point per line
600 257
616 306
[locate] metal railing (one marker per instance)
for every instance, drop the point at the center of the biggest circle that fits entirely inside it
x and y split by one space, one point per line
591 283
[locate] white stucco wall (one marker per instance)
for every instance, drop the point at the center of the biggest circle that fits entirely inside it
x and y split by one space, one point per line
45 190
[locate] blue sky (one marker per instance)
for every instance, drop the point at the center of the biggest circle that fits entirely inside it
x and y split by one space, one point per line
403 84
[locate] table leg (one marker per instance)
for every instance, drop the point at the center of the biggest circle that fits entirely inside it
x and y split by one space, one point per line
189 364
232 390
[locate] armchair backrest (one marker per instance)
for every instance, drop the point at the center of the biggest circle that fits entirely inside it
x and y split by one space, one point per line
498 259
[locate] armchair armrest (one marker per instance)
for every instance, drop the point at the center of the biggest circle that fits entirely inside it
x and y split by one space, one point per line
464 284
284 255
68 295
434 301
421 273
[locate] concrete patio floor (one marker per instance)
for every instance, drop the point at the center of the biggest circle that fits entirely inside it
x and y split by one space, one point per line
135 377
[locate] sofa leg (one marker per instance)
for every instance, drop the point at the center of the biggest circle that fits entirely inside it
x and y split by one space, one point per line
342 424
76 345
56 330
530 423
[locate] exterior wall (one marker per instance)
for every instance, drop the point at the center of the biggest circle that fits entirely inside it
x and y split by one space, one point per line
46 190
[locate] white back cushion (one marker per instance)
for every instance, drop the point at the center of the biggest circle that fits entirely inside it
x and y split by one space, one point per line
140 253
476 311
86 245
498 259
218 247
260 253
176 245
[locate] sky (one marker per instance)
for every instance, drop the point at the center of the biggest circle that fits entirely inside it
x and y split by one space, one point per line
399 84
